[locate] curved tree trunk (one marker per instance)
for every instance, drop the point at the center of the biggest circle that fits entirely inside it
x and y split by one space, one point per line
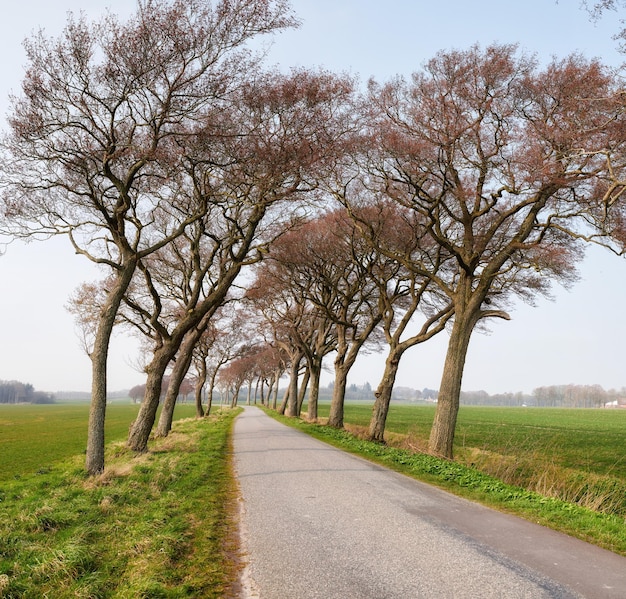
383 396
181 367
142 427
302 392
94 462
283 405
442 432
197 391
210 392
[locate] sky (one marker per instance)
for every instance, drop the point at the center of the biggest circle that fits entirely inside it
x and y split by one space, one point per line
579 338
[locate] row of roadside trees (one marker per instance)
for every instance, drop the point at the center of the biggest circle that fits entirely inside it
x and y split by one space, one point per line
215 194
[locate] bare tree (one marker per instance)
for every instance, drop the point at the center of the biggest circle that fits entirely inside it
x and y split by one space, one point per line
499 160
328 263
283 130
400 255
299 328
97 137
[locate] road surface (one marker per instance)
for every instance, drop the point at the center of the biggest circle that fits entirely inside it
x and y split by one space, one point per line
320 523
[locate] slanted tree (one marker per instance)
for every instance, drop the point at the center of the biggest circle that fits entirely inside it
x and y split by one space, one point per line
298 327
498 158
329 262
405 263
253 165
98 134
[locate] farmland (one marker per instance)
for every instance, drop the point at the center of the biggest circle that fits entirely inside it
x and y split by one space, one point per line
34 437
592 440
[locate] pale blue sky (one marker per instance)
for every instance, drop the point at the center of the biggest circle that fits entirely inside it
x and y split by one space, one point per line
577 339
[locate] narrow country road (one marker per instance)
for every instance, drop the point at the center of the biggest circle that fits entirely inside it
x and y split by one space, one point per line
320 523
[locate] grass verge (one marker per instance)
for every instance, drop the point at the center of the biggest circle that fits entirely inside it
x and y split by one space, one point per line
605 530
153 525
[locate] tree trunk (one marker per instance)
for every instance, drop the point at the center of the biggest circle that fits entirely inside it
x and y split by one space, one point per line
283 405
94 462
444 425
142 427
383 396
291 409
235 399
315 369
200 382
181 367
335 417
275 391
209 399
302 391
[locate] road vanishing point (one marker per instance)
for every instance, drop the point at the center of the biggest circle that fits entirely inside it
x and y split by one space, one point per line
318 522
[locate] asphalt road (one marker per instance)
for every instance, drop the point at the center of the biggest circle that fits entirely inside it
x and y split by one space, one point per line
320 523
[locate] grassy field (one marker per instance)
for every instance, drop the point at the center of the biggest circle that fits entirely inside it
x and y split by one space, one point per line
592 441
161 524
158 524
34 437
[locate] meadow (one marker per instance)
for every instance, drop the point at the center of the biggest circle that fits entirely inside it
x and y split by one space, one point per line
589 440
155 524
34 437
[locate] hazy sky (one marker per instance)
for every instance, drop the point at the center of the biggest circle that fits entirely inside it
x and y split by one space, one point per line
579 338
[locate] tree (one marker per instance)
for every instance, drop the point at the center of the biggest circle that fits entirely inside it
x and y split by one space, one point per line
252 177
400 255
328 262
596 11
300 328
97 138
136 393
499 160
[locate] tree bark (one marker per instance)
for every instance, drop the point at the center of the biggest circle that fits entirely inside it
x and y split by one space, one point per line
181 367
335 417
275 390
197 395
283 405
94 461
383 396
303 389
442 432
142 427
291 409
315 369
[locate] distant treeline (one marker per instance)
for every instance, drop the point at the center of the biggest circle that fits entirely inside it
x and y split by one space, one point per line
555 396
16 392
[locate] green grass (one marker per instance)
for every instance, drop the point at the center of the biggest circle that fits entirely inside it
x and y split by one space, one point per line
588 440
158 524
34 437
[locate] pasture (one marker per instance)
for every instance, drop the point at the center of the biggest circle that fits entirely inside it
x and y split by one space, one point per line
34 437
591 440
